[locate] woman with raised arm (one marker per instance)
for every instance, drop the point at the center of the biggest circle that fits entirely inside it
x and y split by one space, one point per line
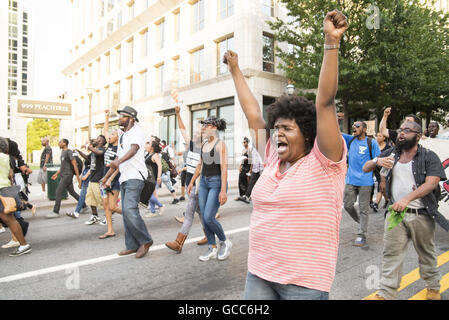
294 229
192 160
213 187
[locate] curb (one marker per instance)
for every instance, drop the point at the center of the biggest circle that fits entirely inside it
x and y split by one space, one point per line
65 203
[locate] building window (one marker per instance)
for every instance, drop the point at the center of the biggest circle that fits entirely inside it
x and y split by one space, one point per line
226 8
24 66
266 102
268 53
160 78
130 10
25 29
223 46
168 127
12 44
197 66
12 71
144 83
198 16
160 34
145 43
108 63
110 5
118 58
98 68
176 68
13 5
12 31
25 53
130 89
222 109
110 28
12 58
268 8
117 92
102 5
12 84
98 98
131 51
177 17
12 18
119 20
25 17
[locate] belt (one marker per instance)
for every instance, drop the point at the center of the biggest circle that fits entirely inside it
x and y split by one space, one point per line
417 211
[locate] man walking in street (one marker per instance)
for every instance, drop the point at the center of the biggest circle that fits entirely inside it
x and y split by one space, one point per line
133 172
46 158
358 183
412 185
256 170
66 183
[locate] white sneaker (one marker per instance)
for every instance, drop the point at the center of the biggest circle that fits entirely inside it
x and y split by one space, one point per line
11 244
225 250
93 219
52 215
210 254
2 229
150 215
104 222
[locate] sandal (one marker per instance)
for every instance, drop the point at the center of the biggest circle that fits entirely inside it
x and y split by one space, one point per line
106 236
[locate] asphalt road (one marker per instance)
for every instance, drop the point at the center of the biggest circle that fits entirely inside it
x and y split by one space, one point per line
69 261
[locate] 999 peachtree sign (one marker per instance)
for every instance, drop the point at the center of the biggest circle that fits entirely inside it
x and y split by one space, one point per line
50 108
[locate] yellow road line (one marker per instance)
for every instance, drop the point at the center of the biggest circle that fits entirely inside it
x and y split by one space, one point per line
413 275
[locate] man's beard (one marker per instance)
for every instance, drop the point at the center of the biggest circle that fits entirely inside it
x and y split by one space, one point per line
406 144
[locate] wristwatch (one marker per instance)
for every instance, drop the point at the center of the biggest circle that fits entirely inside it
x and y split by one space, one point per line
375 160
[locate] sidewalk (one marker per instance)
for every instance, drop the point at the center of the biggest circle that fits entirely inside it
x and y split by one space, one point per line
39 198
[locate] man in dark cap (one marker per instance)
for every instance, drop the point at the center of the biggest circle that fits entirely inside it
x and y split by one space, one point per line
133 173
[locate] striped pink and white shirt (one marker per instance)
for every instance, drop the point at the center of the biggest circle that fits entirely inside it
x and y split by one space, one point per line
294 230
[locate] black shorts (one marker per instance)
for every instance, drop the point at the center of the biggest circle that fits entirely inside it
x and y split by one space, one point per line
183 178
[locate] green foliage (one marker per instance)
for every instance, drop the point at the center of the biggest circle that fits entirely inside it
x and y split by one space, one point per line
404 63
40 128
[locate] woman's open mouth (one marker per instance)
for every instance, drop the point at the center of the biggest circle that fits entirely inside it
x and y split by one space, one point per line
282 146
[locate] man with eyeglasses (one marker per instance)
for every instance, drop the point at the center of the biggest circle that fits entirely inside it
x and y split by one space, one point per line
412 185
358 183
133 172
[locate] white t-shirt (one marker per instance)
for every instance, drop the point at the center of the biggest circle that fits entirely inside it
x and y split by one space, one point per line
403 183
135 167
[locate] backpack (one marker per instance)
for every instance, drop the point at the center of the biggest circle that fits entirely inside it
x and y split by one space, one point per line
370 147
79 164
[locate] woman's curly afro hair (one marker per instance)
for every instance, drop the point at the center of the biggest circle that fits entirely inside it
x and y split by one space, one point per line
300 109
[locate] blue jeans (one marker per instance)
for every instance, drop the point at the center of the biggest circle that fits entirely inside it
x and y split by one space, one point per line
259 289
83 192
210 188
136 233
153 201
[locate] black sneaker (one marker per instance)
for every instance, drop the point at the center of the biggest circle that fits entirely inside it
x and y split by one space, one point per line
175 201
19 252
375 207
182 199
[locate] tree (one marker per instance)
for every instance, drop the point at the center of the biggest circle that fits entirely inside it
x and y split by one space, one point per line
395 53
38 129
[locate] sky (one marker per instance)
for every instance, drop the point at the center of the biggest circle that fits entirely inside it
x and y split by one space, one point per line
52 40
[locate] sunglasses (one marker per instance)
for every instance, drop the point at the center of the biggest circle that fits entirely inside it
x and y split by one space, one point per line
406 130
356 125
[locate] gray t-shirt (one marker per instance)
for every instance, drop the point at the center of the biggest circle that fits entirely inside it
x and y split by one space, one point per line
66 162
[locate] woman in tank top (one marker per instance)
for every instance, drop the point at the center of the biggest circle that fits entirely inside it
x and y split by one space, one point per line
213 186
153 159
110 189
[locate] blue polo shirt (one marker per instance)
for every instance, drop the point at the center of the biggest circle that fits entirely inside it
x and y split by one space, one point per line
358 155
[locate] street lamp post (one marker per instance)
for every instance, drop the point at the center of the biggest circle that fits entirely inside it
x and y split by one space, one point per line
90 92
